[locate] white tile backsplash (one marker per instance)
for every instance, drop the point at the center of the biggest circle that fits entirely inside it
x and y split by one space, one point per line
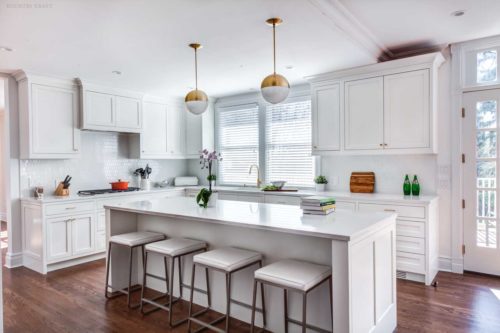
104 158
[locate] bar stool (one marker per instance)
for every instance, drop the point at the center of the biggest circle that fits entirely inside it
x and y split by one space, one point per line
294 275
130 240
227 260
173 248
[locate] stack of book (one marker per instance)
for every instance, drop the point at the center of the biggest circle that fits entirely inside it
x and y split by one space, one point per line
318 205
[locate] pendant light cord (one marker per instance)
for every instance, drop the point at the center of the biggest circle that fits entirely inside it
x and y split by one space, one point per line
274 47
196 67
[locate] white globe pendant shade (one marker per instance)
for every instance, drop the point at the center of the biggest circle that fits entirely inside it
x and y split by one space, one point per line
196 101
275 88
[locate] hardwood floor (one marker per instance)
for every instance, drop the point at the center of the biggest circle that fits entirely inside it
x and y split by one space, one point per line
71 300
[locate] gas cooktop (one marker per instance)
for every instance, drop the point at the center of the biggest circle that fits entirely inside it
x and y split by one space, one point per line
106 191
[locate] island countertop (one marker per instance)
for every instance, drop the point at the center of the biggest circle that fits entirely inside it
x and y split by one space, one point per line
340 225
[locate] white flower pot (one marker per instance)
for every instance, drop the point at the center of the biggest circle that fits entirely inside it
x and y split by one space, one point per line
320 187
145 184
214 197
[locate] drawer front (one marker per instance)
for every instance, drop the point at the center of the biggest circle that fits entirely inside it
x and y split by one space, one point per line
70 208
402 211
282 199
345 205
410 262
250 198
192 194
410 244
410 228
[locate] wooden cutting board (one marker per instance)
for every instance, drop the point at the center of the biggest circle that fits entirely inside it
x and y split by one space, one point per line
362 182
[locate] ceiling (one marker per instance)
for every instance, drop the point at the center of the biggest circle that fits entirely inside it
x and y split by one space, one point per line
147 40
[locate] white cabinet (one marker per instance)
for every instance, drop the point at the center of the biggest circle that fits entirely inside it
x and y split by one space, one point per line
326 117
59 238
176 135
407 110
153 139
48 117
106 109
83 234
364 114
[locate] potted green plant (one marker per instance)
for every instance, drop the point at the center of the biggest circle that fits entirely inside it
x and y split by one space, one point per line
208 197
320 182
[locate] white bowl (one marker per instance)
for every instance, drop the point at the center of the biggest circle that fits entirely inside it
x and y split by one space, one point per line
279 183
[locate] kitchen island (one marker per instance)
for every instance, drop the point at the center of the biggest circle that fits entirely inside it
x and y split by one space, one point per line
360 248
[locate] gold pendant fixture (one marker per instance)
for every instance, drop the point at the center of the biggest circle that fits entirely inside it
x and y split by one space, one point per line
196 100
275 87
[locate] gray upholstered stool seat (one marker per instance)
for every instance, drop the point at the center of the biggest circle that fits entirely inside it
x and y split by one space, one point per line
293 275
173 248
227 260
130 240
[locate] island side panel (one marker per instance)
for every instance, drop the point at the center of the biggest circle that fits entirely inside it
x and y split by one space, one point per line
119 222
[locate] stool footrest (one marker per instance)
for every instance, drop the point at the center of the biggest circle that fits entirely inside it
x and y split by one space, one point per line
311 327
158 305
209 325
121 292
195 289
248 306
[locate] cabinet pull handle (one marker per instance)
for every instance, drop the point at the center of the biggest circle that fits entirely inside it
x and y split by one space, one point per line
389 210
381 145
68 208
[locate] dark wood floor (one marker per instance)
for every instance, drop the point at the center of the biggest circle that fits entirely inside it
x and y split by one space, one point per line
71 300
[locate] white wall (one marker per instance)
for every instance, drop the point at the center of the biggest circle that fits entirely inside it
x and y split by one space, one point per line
104 158
3 199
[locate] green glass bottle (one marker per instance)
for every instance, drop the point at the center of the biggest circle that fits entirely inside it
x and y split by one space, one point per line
415 186
407 186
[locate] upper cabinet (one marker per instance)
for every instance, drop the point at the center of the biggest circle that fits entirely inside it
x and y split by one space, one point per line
48 117
385 108
105 109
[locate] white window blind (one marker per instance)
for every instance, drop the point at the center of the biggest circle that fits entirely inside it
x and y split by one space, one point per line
288 143
238 142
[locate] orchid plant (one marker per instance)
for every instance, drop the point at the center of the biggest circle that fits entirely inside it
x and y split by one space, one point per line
207 160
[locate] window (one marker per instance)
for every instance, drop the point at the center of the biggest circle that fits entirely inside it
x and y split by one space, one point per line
288 143
486 66
275 137
238 142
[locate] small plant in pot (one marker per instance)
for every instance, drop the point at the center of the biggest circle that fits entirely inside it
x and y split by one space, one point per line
320 182
208 197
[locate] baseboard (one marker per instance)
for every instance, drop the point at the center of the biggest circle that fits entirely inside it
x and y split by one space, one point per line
13 259
444 263
457 265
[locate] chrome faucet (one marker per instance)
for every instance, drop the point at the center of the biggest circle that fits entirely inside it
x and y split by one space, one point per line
258 174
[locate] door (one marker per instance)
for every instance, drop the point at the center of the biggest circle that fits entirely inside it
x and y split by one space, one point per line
99 111
154 133
58 239
128 114
326 117
364 114
54 120
82 230
480 177
407 110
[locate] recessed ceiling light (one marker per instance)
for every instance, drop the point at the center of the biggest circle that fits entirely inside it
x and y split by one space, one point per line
458 13
6 48
117 72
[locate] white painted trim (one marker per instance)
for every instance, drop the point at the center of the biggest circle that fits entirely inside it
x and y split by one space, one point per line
445 264
13 259
3 216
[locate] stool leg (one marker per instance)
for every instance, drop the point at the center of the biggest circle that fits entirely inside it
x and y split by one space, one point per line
228 299
254 299
107 271
285 301
167 285
145 264
304 312
209 299
180 276
171 288
191 298
131 255
331 300
263 301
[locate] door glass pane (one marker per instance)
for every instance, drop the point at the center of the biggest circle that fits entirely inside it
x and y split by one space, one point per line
487 66
486 203
486 114
486 144
486 231
486 172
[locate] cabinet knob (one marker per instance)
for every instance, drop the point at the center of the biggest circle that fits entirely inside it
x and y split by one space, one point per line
315 147
381 145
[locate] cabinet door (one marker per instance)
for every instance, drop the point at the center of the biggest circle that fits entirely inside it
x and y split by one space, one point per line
99 111
154 131
83 233
407 110
326 117
54 128
194 134
176 125
128 114
58 239
364 114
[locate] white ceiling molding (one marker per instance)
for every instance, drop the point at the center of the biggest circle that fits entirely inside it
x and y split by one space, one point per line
343 20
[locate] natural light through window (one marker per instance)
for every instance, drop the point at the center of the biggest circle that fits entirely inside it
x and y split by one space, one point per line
486 66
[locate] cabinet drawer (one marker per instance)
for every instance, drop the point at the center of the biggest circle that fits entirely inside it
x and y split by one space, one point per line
402 211
345 205
282 199
69 208
410 262
410 228
410 244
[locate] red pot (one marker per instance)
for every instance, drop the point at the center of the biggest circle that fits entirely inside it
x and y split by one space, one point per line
119 185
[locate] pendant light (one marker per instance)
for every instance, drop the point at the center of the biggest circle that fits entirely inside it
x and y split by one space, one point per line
275 87
196 100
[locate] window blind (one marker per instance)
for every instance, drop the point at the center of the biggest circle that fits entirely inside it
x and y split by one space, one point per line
238 142
288 143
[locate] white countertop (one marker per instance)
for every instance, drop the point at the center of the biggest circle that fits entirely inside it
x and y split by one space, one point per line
341 225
